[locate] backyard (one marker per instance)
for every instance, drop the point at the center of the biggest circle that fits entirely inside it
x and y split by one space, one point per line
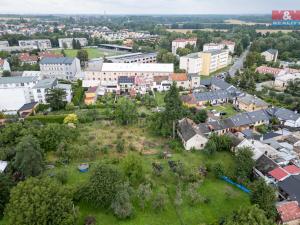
223 198
226 108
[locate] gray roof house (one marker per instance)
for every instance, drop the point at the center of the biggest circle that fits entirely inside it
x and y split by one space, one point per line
288 117
190 135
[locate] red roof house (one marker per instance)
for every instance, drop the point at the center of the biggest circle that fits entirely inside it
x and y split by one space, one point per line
292 169
289 212
279 174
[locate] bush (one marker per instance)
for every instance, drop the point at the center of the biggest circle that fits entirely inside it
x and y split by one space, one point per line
62 176
70 106
71 118
120 147
218 169
159 201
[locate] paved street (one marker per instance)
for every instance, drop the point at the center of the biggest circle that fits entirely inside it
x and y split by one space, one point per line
239 63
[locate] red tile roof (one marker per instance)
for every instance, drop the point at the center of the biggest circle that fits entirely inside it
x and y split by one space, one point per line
292 169
25 57
179 77
279 173
185 40
49 55
288 211
267 69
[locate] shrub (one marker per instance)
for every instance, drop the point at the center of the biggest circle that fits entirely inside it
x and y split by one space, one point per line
70 106
159 201
47 118
62 176
120 147
71 118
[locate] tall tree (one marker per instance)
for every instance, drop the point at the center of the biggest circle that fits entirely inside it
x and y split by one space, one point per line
126 111
40 201
264 196
244 163
83 56
29 157
6 184
56 98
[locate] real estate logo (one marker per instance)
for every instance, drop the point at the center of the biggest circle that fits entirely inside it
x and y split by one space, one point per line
286 17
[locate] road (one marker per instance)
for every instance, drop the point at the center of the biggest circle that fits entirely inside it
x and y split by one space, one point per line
239 63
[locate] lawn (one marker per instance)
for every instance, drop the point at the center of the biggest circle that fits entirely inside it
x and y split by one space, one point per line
159 97
224 198
227 108
92 52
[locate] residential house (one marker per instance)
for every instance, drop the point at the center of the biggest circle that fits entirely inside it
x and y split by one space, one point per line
194 79
212 97
126 83
250 103
270 55
181 80
41 89
60 68
91 95
47 54
4 65
28 109
161 83
25 58
287 117
289 188
190 135
281 82
289 212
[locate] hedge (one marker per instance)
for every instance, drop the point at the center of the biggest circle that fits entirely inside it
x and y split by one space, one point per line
48 118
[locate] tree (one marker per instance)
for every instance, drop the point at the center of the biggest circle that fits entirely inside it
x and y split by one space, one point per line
144 194
83 56
102 186
133 168
183 51
5 186
248 216
200 116
264 196
126 111
219 143
56 98
244 163
6 73
74 44
29 157
40 201
121 204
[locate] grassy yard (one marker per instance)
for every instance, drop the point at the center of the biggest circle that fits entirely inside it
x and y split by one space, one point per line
93 52
159 97
227 108
224 198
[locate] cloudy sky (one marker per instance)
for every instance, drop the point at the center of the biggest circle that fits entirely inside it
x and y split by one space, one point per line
146 6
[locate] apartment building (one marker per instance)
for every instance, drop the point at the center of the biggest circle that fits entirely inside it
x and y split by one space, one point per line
214 60
36 44
68 42
182 43
134 58
230 45
16 92
191 63
60 68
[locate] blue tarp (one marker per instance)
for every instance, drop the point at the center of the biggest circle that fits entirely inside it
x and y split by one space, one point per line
241 187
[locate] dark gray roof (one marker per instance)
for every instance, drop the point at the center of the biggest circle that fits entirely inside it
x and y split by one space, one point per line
58 60
28 106
272 51
250 99
264 164
270 135
18 80
186 129
291 186
283 114
241 119
219 83
248 133
212 95
259 115
46 83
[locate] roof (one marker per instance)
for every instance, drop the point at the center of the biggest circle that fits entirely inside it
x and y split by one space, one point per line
138 67
3 165
46 83
131 56
58 60
17 79
92 90
288 211
212 95
25 57
179 77
264 164
283 114
219 83
250 99
270 135
292 169
188 99
291 186
49 54
185 39
215 51
28 106
279 173
159 79
272 51
186 129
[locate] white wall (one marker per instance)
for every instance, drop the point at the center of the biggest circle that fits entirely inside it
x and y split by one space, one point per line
12 99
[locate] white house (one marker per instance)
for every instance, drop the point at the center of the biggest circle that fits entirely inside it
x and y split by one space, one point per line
270 55
4 65
68 42
190 135
282 81
61 67
41 89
